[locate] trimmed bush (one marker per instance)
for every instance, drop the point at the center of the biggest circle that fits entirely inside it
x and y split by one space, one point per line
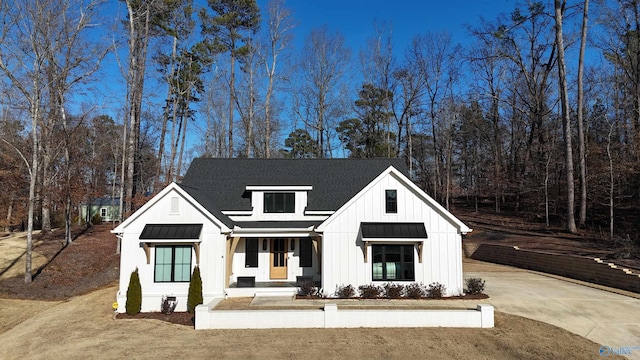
168 304
309 289
475 286
345 291
436 290
393 291
195 291
96 219
370 291
134 294
415 291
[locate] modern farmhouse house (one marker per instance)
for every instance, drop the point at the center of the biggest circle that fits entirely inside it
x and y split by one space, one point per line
266 225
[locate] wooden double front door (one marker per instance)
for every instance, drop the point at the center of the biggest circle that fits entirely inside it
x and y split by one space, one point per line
278 267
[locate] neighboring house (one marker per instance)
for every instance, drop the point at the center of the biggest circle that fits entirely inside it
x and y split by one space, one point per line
107 207
265 225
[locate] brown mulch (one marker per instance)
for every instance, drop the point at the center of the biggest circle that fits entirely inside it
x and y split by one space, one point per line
90 262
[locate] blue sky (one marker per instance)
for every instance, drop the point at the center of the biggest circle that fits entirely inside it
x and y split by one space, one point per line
355 18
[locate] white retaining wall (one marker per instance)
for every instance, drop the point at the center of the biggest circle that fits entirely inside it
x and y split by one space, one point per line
331 317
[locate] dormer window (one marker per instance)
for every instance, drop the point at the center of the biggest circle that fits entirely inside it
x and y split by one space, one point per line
279 202
391 201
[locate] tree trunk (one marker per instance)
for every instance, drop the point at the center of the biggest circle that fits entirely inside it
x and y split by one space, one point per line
165 115
232 95
566 120
582 218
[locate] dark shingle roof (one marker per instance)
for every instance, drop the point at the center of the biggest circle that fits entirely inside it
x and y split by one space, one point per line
222 182
205 200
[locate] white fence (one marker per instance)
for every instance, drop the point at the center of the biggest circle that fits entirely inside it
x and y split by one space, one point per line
332 317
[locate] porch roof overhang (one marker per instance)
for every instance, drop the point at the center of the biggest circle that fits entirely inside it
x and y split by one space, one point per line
158 234
393 231
414 233
171 232
274 228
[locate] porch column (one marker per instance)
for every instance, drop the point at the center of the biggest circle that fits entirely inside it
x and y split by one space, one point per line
317 246
231 249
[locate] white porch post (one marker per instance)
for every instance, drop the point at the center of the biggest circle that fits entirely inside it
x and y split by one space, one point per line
231 249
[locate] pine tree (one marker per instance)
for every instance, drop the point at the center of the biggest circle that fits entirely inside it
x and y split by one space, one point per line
134 294
195 291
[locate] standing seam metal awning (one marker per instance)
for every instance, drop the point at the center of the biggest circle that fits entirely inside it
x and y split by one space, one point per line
393 230
171 232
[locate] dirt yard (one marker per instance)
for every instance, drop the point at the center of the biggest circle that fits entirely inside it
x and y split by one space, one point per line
83 326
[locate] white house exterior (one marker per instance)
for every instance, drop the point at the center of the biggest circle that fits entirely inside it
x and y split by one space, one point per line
266 225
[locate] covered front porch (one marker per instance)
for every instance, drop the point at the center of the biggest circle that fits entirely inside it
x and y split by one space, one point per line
262 259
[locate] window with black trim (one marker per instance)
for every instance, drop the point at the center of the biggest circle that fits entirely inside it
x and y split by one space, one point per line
251 252
279 202
306 252
391 201
393 262
173 263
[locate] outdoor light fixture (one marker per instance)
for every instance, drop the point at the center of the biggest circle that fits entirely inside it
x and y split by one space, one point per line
264 244
293 244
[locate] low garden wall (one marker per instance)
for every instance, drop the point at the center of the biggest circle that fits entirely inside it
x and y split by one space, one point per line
332 317
593 270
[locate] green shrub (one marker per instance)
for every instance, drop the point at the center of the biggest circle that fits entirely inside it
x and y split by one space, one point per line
96 219
345 291
195 291
475 286
370 291
134 294
436 290
393 291
415 291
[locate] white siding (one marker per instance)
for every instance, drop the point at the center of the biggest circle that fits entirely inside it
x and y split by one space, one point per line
343 258
212 251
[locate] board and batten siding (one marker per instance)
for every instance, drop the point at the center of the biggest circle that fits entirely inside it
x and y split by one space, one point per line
212 251
343 257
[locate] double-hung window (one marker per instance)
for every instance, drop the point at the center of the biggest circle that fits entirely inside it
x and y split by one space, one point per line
173 263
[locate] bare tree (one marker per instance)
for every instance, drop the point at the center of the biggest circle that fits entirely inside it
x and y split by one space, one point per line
140 15
566 119
582 152
436 56
279 36
43 56
317 99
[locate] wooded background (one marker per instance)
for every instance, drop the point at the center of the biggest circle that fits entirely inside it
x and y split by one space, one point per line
538 115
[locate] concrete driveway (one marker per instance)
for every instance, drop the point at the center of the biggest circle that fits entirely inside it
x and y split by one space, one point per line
604 317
